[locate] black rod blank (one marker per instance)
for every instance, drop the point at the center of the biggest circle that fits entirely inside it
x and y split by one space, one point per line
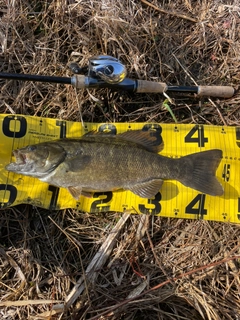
130 85
31 77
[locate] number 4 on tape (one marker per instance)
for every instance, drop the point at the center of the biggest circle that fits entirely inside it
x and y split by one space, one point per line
196 206
196 135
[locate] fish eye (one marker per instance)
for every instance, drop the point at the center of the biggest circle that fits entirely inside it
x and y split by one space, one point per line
31 148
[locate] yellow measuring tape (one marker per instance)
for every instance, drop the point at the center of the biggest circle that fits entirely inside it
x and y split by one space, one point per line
173 200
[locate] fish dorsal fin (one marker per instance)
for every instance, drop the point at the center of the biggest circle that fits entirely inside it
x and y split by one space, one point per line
148 139
147 189
91 133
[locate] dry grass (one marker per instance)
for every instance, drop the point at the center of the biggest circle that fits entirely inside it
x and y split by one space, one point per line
150 268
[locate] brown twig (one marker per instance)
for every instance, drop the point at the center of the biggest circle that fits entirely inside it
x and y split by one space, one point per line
210 265
176 14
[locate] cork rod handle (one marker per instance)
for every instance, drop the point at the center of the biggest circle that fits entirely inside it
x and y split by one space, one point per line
216 91
151 86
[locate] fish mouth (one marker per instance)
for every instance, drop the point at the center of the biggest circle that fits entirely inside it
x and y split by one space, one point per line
21 158
20 163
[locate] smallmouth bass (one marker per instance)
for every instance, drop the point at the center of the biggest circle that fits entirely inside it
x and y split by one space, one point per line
100 162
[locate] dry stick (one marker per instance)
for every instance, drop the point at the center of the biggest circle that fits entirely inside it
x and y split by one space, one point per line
20 303
79 107
210 100
19 272
97 262
179 15
210 265
218 111
185 70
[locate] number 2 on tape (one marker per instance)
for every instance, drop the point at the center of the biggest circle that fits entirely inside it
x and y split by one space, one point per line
97 205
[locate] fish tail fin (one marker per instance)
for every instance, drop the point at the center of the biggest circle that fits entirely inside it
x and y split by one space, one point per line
200 170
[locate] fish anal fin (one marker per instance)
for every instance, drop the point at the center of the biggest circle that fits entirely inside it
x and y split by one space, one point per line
147 189
149 141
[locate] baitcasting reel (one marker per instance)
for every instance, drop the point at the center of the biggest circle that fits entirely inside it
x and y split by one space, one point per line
106 68
108 72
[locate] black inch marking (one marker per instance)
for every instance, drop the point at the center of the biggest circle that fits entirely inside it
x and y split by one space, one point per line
54 197
7 124
157 205
12 194
238 136
155 131
238 209
99 205
200 139
198 201
226 172
63 128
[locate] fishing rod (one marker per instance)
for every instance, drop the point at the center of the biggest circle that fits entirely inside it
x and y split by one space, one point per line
108 72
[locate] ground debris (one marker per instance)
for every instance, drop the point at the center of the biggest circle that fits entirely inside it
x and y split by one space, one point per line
157 268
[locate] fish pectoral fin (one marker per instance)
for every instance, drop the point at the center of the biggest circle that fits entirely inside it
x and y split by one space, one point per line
76 192
147 189
77 163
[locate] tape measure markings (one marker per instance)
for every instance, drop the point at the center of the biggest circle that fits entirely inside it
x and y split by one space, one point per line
173 200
